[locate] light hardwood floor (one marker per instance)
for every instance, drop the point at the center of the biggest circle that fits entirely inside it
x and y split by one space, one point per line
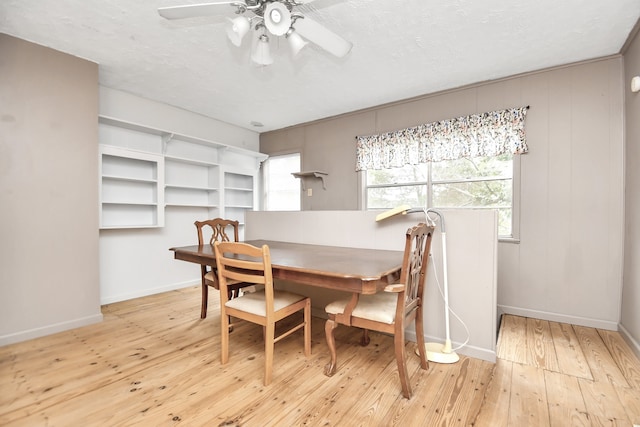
154 362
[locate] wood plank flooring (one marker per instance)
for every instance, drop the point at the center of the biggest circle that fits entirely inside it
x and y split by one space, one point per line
556 374
152 361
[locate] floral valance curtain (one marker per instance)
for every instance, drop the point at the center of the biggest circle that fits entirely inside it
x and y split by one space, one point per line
478 135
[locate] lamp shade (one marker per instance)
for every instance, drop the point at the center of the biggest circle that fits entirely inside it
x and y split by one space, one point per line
296 43
277 18
237 29
261 54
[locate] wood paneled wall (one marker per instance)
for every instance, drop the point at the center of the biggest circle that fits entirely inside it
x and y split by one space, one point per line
568 263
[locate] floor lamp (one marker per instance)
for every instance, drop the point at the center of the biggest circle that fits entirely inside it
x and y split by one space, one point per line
436 352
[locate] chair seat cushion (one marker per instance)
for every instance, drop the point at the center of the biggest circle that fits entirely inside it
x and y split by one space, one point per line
212 280
379 307
255 302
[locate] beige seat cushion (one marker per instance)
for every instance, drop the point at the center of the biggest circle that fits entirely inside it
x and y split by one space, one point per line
255 302
380 307
210 277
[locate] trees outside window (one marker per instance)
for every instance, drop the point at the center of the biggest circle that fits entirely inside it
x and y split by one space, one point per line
467 183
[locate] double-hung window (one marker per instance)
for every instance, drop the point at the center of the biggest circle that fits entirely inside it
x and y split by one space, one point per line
281 188
467 183
466 163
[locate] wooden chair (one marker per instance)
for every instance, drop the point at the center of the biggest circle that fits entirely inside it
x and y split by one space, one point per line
389 311
219 230
245 263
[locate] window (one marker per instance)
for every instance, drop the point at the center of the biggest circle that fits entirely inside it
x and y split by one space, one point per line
281 189
465 162
478 183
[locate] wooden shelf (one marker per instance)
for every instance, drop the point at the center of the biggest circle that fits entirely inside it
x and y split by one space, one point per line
128 203
311 174
167 136
240 193
190 205
169 158
128 179
192 183
145 171
131 188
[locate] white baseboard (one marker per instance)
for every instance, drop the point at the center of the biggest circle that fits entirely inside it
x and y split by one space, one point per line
49 329
635 345
555 317
145 292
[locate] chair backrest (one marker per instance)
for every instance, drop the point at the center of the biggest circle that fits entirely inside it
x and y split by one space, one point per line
245 263
219 228
414 266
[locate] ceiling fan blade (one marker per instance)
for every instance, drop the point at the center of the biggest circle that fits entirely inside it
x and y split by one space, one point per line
194 10
323 37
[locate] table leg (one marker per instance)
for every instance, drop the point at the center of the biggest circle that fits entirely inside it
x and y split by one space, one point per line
329 327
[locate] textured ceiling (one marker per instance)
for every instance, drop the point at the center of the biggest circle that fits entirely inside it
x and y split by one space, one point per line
402 49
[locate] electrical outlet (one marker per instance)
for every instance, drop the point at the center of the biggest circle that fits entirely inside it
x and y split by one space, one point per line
309 192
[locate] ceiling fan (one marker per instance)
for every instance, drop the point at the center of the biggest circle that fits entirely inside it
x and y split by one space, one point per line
268 18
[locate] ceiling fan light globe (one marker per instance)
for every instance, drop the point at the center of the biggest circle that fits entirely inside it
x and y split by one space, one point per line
261 53
296 43
277 18
237 29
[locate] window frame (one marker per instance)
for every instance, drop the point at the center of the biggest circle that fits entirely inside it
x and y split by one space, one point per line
515 197
264 180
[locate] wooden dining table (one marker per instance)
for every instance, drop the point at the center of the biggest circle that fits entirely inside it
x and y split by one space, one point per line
355 270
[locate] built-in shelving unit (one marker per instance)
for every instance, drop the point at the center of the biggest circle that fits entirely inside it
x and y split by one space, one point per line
130 188
168 136
191 183
239 194
145 171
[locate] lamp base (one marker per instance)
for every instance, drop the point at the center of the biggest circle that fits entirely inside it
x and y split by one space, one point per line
438 353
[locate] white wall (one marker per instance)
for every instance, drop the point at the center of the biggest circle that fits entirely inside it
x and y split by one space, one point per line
137 262
471 237
125 106
48 191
